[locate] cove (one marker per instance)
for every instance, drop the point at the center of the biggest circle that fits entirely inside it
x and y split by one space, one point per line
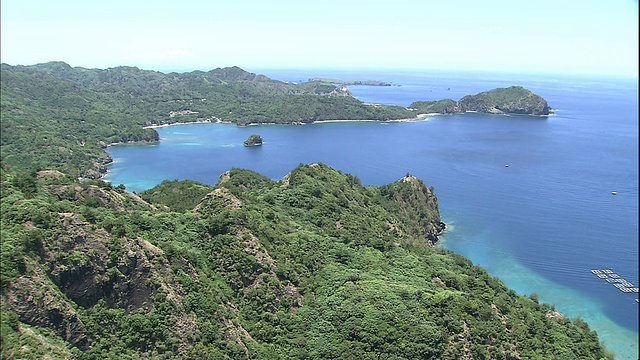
540 224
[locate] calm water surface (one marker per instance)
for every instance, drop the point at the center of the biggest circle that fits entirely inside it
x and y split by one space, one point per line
540 224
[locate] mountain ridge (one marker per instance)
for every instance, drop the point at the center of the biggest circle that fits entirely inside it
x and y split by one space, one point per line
314 264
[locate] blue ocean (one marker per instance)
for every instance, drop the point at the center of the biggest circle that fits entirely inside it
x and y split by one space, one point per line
537 201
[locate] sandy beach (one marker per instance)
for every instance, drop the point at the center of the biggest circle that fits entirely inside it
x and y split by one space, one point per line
181 123
416 118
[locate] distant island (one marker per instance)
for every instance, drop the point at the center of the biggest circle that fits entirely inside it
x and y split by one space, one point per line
352 82
253 140
511 100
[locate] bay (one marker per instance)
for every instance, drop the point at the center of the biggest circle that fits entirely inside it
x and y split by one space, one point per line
540 224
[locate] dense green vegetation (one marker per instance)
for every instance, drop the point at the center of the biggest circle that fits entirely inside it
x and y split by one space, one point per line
313 266
446 106
511 100
177 195
56 116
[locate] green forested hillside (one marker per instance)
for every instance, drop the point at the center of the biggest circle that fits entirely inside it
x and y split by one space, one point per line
177 195
446 106
314 266
511 100
56 116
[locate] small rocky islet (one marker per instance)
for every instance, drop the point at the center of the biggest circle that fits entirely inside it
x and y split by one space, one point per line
253 140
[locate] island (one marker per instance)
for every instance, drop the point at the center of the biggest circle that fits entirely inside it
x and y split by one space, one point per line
511 100
351 82
253 140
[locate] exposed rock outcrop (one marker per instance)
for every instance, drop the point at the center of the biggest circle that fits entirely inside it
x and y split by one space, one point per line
38 303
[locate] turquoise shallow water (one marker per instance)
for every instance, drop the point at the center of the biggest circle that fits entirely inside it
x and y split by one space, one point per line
540 224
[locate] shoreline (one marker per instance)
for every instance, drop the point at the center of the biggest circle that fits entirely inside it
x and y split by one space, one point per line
181 123
418 117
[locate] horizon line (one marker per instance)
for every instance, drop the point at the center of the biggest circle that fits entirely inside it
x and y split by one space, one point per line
167 69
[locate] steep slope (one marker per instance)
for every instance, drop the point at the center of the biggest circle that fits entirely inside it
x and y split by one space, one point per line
314 265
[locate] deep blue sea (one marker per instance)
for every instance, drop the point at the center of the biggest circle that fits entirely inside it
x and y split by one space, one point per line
541 224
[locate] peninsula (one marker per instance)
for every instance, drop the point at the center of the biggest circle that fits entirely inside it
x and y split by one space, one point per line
352 82
511 100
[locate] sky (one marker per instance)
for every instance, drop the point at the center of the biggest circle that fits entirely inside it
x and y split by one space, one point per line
549 36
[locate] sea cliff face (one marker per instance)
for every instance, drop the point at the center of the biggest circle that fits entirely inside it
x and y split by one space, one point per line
511 100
